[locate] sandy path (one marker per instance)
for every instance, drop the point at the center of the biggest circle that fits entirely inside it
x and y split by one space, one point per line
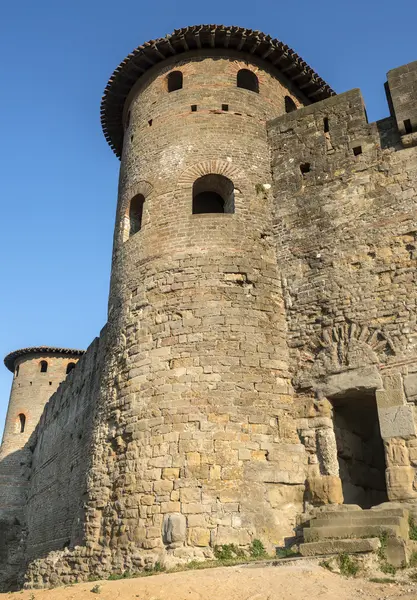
299 581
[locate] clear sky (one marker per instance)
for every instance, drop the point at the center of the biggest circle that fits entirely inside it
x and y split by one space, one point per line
58 180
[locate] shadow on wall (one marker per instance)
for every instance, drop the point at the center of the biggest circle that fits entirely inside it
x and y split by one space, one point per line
14 480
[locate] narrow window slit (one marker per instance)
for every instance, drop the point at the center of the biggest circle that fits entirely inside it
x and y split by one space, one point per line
150 122
305 168
326 124
136 214
290 105
22 423
407 126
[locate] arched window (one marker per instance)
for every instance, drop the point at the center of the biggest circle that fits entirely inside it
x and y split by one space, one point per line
70 367
136 213
290 105
174 81
248 80
21 423
44 366
213 194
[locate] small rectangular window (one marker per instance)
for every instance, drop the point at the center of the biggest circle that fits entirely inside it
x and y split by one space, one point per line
357 150
305 168
194 108
407 126
326 125
225 107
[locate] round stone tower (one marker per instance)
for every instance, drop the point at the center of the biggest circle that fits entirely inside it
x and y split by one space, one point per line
203 447
37 373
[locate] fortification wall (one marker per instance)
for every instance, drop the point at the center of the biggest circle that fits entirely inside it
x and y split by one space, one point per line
345 224
31 389
61 458
50 514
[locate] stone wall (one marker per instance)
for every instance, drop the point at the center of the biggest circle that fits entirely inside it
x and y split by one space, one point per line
53 463
201 416
179 429
31 390
346 232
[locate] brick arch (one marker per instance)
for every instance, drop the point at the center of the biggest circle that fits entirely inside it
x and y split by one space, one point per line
141 187
216 167
237 65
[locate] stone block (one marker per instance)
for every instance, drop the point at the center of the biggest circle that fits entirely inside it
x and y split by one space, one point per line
270 473
354 380
325 489
190 494
390 398
170 473
400 483
396 421
410 386
397 552
352 546
198 536
174 528
170 507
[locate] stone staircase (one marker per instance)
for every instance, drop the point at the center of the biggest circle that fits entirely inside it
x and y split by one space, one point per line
350 529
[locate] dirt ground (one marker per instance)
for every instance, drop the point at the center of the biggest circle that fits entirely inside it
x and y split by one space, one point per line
299 580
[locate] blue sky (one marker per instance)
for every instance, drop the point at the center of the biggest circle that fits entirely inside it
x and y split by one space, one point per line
58 180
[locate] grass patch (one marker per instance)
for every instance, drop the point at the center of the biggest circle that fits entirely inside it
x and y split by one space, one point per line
413 559
228 552
285 552
96 589
412 529
382 550
257 549
326 565
387 568
413 576
382 580
348 565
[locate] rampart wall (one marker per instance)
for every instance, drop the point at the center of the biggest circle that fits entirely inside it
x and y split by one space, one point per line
346 230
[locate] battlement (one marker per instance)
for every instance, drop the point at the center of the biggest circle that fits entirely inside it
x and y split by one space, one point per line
334 134
401 90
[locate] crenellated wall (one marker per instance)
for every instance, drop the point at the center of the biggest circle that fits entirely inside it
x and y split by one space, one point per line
346 232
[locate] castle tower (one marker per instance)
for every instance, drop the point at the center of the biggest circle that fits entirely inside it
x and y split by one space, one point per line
37 373
203 444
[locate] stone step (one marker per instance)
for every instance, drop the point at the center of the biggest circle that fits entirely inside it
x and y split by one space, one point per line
351 546
359 514
315 534
365 520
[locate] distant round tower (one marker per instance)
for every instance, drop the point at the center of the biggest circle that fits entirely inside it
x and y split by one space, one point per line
37 375
203 444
